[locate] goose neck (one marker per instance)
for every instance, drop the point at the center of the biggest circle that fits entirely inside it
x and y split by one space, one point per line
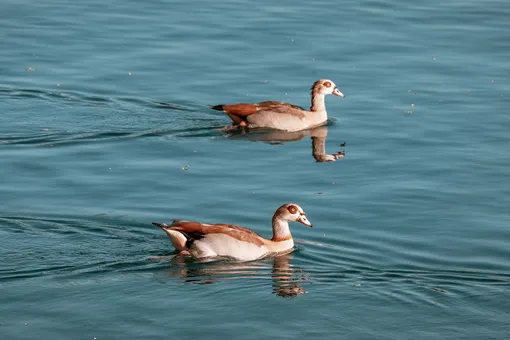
281 231
318 103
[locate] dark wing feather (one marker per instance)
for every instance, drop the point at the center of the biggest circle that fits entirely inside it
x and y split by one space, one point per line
196 231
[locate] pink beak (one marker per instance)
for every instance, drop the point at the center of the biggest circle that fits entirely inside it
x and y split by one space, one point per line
337 92
304 220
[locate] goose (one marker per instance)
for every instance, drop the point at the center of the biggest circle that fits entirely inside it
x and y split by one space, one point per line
202 240
283 116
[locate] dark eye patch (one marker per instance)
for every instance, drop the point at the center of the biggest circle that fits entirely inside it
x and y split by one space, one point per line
292 209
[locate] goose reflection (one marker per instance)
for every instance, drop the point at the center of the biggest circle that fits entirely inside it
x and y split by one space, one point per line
317 134
286 279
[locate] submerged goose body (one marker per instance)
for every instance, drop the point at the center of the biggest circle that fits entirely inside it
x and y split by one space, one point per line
283 116
202 240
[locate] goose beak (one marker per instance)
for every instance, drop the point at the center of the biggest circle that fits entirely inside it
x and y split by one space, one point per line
337 92
304 220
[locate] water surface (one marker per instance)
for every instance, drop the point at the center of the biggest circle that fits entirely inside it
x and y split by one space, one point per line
105 127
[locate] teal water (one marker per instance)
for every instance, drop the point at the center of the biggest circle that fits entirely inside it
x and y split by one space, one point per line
102 106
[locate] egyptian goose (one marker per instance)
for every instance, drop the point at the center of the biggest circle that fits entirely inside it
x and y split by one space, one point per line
283 116
202 240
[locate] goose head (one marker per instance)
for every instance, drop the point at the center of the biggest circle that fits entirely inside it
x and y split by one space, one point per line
291 212
325 87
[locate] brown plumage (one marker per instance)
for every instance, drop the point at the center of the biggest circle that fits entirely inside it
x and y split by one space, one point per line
239 112
197 231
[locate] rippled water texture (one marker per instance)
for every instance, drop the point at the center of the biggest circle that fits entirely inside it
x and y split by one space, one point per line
106 126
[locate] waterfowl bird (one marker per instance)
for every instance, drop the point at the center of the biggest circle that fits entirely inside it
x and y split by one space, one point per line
283 116
202 240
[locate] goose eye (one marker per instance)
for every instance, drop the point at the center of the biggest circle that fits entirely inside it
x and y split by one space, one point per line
327 84
292 209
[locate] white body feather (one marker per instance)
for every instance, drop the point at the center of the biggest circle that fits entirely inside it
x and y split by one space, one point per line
213 245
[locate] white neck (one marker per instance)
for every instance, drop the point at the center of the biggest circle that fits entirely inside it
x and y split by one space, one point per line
281 229
318 104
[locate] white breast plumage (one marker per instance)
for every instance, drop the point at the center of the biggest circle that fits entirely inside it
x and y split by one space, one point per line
224 245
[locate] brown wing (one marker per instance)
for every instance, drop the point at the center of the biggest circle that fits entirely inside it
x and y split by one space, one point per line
278 106
239 110
282 108
197 231
245 109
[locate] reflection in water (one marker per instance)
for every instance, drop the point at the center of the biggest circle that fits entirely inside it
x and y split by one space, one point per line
286 279
318 135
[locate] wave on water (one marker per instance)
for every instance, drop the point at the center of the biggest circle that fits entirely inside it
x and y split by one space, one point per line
103 247
151 118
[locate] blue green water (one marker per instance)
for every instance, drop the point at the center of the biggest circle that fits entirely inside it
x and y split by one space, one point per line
105 127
